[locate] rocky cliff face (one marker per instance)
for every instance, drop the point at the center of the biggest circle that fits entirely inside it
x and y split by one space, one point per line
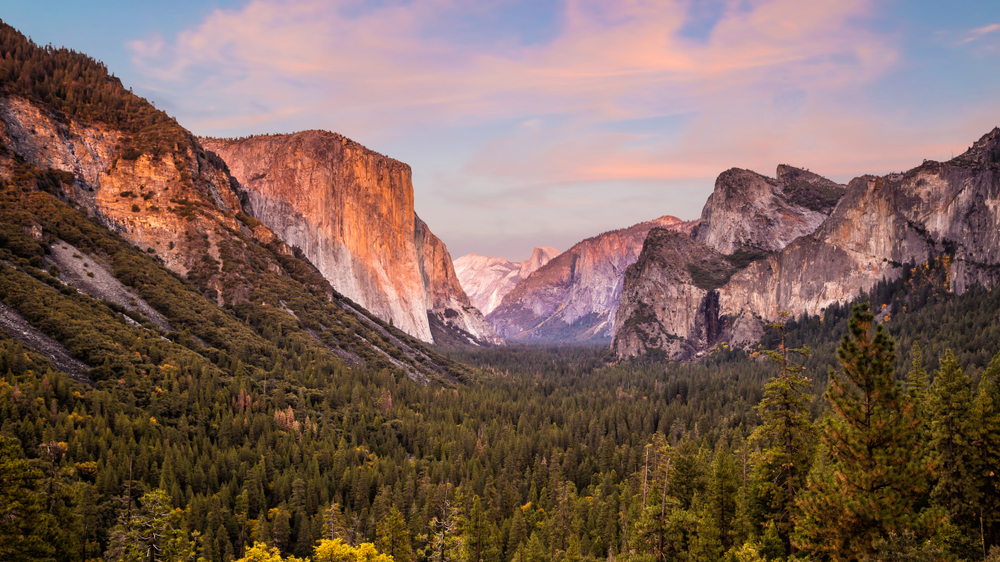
670 304
173 205
751 213
574 296
350 210
881 224
665 307
487 280
446 301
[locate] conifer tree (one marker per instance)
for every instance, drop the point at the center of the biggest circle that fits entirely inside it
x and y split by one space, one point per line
871 483
987 416
153 531
952 449
393 536
786 432
22 511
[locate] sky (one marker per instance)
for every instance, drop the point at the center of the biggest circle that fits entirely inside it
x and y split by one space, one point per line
543 122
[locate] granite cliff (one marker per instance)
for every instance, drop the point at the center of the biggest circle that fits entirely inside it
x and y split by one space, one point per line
486 280
351 212
172 204
665 306
575 295
670 301
753 214
937 210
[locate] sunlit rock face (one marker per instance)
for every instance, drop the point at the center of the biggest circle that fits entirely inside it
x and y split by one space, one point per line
177 206
670 304
574 296
351 212
487 280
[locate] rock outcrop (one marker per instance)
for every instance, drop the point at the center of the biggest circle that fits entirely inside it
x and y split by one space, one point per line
446 301
574 296
949 209
152 201
350 210
670 304
487 280
881 224
665 307
751 213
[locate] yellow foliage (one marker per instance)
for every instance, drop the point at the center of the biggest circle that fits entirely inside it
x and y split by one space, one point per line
337 551
260 552
325 551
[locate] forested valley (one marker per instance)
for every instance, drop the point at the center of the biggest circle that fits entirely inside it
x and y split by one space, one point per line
871 432
178 450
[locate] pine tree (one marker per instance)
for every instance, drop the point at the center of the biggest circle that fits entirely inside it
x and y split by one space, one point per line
873 478
23 518
787 433
987 416
152 531
393 536
953 450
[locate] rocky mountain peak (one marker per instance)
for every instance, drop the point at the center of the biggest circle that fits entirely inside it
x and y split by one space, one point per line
937 210
539 257
351 211
750 213
575 295
487 280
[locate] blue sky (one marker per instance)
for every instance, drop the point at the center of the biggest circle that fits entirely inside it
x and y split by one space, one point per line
531 123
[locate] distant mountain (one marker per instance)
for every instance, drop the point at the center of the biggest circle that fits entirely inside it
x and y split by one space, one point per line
448 307
783 255
350 209
575 295
486 280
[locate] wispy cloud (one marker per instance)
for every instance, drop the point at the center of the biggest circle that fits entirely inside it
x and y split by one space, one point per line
979 32
757 82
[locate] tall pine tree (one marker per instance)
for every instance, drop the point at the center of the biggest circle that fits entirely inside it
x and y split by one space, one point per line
953 451
872 479
787 434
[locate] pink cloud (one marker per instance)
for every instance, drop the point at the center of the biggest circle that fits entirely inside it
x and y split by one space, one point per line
979 32
378 62
775 81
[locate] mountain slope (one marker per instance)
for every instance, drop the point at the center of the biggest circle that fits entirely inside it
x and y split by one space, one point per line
574 297
664 308
950 208
446 302
487 280
189 260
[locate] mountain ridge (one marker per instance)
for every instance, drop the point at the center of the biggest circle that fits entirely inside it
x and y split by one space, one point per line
876 227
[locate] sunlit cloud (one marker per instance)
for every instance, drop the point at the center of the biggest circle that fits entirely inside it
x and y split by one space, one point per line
979 32
623 93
